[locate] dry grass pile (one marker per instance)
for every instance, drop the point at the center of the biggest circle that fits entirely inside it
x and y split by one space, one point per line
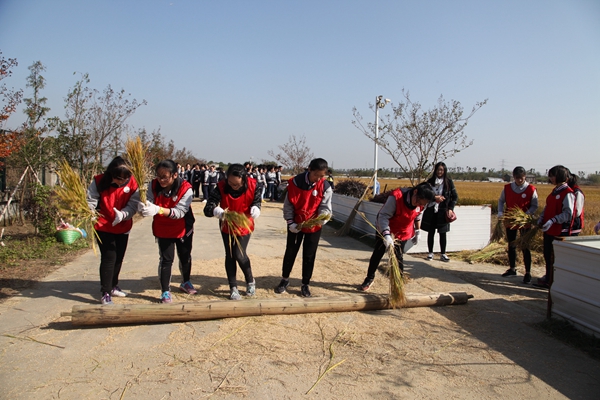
72 199
493 253
140 167
530 236
235 222
397 293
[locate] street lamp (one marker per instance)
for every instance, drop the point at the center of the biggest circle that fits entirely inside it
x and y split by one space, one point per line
380 102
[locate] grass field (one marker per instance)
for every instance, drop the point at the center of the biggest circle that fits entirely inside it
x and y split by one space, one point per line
474 193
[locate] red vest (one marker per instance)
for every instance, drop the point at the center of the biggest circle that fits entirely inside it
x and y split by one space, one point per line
520 200
553 208
241 205
114 197
306 202
402 223
165 227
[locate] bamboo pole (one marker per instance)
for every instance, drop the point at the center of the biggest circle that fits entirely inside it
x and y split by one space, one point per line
216 309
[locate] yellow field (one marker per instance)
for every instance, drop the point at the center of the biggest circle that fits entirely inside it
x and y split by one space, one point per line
470 193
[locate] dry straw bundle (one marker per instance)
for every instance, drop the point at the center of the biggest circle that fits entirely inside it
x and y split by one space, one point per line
316 221
516 218
498 234
136 154
72 195
235 222
493 253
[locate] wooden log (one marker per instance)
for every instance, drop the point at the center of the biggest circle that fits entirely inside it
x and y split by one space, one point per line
214 309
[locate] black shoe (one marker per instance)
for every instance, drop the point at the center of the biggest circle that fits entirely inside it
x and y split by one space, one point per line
527 278
542 283
305 291
281 288
366 285
509 272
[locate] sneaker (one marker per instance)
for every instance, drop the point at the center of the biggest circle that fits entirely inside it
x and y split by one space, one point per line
509 272
117 292
542 283
444 258
430 256
235 295
106 299
366 285
305 291
527 278
166 297
188 288
281 288
251 289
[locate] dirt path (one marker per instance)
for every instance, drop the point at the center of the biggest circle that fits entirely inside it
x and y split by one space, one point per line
486 349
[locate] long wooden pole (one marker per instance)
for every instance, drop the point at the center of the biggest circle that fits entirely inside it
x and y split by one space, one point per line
215 309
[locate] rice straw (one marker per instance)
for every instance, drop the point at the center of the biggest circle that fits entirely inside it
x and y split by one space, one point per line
136 154
319 220
516 218
235 222
72 195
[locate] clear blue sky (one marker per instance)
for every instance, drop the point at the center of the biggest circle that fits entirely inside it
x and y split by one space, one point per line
230 80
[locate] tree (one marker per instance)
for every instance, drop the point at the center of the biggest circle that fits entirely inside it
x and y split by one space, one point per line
10 140
417 139
294 155
94 124
34 152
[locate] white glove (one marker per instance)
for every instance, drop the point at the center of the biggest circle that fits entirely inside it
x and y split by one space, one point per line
388 241
119 215
293 228
218 212
150 209
597 228
547 225
254 212
415 239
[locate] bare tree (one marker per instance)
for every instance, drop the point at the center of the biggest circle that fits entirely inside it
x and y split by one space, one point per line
416 139
294 155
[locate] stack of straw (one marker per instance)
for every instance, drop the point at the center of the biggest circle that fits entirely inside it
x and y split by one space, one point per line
235 222
397 294
516 218
136 153
72 195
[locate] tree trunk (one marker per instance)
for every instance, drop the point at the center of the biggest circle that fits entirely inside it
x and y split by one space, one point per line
215 309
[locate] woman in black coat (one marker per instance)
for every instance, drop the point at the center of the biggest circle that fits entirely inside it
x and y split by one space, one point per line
434 216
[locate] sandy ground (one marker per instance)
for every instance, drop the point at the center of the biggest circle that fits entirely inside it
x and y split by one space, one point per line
485 349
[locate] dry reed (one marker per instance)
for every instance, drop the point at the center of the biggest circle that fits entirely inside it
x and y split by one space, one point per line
235 223
516 218
136 154
319 220
72 196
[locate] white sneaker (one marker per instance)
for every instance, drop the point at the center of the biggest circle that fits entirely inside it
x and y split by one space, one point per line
235 295
430 256
444 257
117 292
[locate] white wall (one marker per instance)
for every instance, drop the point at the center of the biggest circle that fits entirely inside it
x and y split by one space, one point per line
470 231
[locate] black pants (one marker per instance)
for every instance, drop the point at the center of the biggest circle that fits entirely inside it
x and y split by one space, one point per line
196 187
166 253
309 253
112 251
511 236
236 254
431 238
205 192
378 253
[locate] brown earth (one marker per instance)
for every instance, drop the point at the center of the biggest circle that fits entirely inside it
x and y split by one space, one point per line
488 348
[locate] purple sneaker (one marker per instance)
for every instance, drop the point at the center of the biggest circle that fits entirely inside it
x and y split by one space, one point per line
166 297
106 299
188 288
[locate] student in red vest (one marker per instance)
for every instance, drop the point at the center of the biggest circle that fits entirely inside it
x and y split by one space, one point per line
308 196
169 203
556 218
236 193
522 195
116 197
400 216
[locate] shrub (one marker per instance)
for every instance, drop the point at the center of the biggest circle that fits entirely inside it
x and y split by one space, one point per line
381 197
350 187
42 210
